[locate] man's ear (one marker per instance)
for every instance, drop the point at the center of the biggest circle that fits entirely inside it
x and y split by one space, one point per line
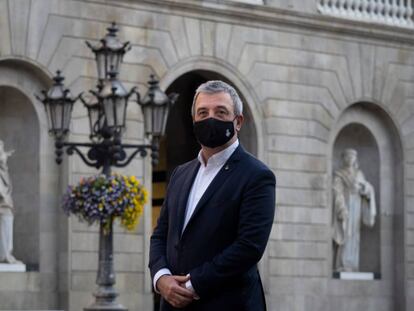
239 122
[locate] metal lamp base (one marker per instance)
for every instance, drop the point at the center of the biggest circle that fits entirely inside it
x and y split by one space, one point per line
105 300
105 294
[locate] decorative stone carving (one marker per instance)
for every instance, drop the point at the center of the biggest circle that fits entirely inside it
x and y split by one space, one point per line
353 205
6 209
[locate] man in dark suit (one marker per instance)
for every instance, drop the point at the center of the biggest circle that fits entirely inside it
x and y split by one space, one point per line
217 216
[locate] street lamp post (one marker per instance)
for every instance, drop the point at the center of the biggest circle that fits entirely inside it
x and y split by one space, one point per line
107 115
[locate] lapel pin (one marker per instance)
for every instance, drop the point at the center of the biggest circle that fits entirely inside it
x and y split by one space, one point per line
226 167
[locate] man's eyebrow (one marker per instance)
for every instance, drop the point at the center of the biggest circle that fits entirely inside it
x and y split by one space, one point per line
217 107
222 106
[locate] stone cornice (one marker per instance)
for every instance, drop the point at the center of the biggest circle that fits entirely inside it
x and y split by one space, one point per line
273 18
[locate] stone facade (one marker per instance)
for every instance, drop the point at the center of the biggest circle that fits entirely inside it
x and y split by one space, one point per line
311 85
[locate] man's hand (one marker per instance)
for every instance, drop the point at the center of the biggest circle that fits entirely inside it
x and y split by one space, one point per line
172 288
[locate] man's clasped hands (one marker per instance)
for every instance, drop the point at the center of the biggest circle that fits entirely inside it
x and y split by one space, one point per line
173 289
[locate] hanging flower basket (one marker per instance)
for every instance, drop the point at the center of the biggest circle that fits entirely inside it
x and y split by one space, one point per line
101 199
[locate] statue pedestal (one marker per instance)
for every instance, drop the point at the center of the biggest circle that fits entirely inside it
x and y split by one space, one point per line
358 276
16 267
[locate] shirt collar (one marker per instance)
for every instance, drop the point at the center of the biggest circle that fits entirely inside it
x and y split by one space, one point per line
219 158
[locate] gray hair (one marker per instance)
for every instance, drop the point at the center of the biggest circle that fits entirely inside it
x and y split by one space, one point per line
217 86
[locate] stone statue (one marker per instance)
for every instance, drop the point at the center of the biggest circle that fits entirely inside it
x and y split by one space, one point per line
6 209
354 203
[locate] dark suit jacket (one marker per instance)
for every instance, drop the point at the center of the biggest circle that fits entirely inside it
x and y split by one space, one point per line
224 238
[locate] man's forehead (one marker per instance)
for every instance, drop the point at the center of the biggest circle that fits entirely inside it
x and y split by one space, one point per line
220 98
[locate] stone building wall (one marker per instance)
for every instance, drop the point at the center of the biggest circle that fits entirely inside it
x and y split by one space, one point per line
304 78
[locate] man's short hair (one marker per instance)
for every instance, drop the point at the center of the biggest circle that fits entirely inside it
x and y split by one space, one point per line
217 86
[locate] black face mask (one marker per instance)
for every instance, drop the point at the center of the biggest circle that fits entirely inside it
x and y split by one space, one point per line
213 133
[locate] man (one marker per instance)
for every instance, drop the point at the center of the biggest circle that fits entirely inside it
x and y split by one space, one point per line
217 215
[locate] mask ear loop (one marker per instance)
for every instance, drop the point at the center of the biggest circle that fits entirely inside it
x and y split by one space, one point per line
238 130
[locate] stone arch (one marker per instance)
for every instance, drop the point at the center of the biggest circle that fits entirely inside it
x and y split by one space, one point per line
20 80
29 78
184 147
368 126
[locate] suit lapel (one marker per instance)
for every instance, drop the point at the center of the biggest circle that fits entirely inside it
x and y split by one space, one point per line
185 192
216 183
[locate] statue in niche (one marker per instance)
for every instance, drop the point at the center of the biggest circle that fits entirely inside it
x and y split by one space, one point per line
354 204
6 209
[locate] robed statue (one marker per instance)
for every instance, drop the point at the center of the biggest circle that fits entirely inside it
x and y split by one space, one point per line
6 209
354 205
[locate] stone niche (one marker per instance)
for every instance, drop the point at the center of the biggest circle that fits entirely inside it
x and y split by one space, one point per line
35 182
19 131
368 129
358 137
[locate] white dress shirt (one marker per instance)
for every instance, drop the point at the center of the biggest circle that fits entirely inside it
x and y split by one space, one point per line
205 176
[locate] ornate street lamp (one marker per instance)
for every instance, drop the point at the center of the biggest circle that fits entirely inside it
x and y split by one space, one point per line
114 100
107 115
58 104
109 52
155 107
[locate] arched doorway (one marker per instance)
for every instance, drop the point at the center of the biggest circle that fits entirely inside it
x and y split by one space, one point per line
179 144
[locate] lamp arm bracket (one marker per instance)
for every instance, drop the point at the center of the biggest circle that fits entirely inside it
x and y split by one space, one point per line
74 147
141 149
134 146
71 144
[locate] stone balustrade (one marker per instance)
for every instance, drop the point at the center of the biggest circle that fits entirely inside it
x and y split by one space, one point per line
390 12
